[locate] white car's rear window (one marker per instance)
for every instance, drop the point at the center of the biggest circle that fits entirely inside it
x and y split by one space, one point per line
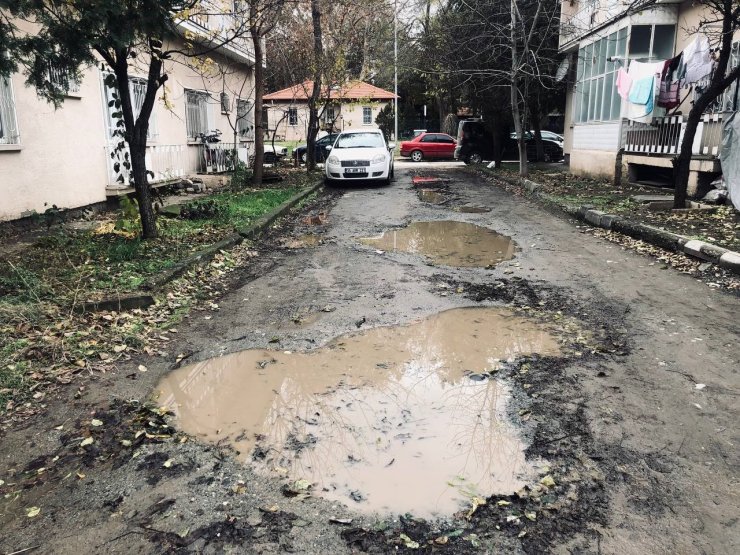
360 140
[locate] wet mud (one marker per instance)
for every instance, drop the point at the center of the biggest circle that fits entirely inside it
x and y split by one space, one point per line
448 243
431 196
359 417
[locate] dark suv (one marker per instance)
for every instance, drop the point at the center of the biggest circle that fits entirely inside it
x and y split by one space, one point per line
475 144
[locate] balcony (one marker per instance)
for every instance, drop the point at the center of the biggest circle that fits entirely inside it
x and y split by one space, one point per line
664 136
210 24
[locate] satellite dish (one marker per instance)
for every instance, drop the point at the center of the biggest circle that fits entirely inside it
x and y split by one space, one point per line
562 70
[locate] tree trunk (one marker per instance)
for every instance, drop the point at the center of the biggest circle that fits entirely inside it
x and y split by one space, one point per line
682 163
313 101
515 105
136 135
537 126
259 90
143 189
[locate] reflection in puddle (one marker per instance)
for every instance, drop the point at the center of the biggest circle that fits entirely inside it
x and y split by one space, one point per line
449 243
303 241
389 417
431 196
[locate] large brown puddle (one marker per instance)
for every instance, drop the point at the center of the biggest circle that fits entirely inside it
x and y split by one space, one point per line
449 243
396 419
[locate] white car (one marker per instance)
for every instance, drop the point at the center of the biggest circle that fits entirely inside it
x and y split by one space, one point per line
360 154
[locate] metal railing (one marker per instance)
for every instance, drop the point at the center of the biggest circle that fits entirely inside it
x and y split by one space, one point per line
166 162
216 157
665 135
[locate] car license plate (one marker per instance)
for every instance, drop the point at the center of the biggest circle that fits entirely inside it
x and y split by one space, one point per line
355 170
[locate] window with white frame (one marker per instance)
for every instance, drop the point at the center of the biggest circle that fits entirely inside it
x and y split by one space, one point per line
8 123
245 119
367 115
330 114
137 92
197 113
729 101
596 96
651 42
292 116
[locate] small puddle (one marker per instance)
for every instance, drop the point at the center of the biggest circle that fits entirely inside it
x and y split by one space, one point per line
303 241
431 196
448 243
472 209
396 419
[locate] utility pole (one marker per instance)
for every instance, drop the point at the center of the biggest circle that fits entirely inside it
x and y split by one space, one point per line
395 70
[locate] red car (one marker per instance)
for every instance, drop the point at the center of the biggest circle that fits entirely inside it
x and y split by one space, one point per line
429 145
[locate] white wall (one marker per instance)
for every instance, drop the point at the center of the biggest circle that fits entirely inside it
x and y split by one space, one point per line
61 158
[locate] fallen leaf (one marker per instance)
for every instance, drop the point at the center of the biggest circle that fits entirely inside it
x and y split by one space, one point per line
32 511
120 348
126 442
503 503
167 463
477 502
87 441
442 540
548 481
531 515
95 422
142 368
408 542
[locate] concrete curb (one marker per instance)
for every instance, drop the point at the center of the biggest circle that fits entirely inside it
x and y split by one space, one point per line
143 300
724 258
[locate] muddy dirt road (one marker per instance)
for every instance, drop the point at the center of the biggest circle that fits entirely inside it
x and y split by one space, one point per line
442 368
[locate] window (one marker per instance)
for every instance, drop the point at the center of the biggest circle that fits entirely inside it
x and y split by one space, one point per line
197 113
8 125
292 116
367 115
651 42
330 114
63 81
245 119
429 139
137 91
596 97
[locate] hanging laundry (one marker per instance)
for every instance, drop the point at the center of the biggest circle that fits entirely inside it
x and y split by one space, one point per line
696 64
670 87
644 92
624 83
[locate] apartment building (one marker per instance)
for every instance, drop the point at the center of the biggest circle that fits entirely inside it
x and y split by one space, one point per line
63 157
602 36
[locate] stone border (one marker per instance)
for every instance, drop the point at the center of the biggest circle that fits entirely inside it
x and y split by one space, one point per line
144 298
724 258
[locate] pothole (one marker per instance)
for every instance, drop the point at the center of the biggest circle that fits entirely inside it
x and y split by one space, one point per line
472 209
398 419
302 241
431 196
449 243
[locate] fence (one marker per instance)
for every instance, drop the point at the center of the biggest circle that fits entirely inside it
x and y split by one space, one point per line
216 157
166 162
665 135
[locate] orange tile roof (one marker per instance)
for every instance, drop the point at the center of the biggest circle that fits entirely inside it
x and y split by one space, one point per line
354 90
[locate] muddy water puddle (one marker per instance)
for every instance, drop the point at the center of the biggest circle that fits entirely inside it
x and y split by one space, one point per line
391 420
449 243
431 196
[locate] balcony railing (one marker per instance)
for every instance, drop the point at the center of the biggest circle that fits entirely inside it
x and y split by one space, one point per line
166 162
210 23
664 136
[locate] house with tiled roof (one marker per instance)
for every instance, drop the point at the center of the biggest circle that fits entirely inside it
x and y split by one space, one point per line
355 104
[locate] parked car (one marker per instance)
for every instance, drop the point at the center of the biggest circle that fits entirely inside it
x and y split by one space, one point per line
320 152
475 144
274 154
429 145
546 135
360 154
